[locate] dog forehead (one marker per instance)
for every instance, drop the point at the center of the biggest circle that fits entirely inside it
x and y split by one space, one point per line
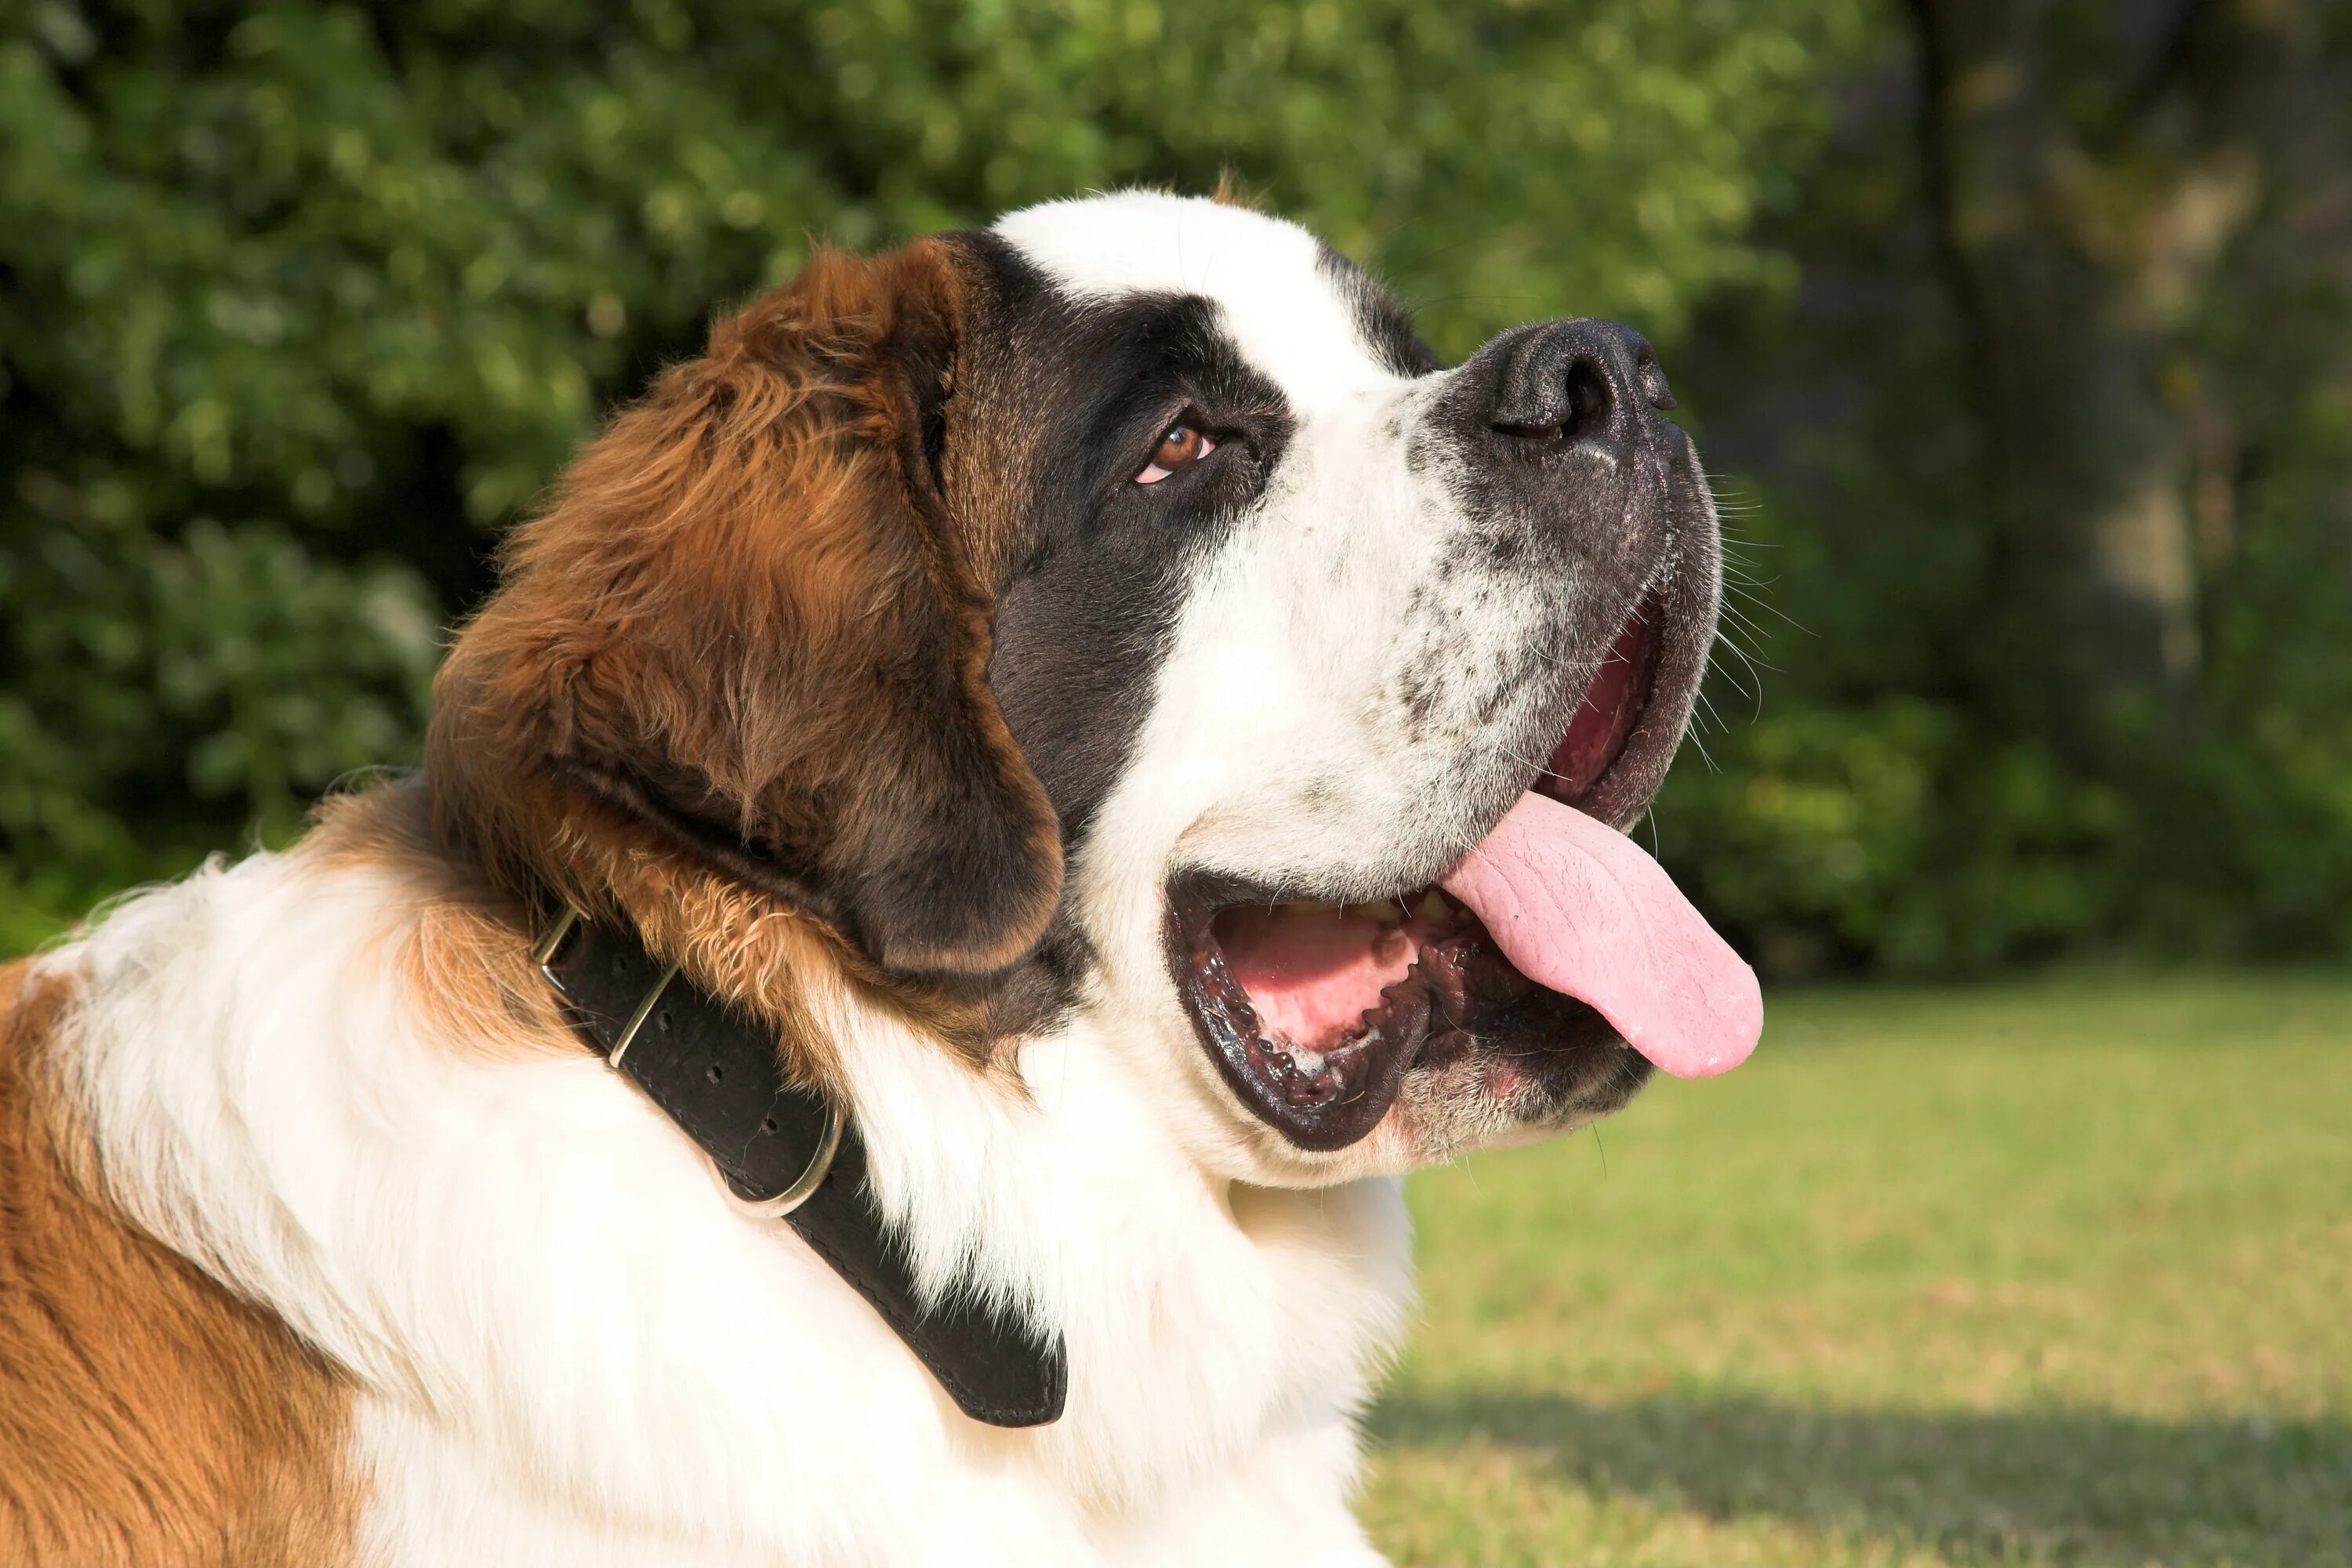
1282 296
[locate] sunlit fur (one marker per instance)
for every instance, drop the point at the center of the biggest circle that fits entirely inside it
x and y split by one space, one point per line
567 1347
330 1078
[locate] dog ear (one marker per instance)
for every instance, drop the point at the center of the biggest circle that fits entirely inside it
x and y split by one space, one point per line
749 621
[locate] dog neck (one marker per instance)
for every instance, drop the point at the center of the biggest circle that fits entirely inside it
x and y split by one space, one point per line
375 1121
791 1152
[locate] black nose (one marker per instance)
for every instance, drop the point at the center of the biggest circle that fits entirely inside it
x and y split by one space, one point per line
1577 382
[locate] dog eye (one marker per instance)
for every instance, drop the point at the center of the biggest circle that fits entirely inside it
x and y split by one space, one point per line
1180 444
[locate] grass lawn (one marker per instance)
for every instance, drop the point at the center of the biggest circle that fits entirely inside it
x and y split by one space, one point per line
2055 1273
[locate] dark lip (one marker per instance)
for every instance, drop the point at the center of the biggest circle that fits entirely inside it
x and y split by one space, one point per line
1358 1084
1471 996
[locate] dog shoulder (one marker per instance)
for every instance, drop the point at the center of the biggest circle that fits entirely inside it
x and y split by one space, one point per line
147 1415
176 1376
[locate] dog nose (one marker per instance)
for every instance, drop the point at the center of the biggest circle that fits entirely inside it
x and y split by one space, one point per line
1578 383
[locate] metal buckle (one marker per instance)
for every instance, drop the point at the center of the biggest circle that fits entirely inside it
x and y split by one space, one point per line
551 942
829 1142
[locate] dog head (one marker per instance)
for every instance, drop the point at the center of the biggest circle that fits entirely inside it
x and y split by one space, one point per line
1122 614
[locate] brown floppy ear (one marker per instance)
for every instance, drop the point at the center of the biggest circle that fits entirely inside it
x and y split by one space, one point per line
748 622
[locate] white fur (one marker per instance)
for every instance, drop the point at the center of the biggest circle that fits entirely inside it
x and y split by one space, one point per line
573 1349
1273 298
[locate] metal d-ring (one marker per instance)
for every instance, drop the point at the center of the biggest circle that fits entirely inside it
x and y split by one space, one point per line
805 1184
828 1143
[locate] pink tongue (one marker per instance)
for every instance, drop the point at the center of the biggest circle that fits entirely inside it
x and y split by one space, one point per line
1578 908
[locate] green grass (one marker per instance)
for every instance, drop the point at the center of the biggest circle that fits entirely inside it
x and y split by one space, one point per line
2058 1273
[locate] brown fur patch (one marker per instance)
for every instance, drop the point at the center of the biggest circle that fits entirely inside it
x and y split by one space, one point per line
464 958
733 686
147 1416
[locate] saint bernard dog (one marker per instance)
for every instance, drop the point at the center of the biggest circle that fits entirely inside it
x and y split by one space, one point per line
1103 726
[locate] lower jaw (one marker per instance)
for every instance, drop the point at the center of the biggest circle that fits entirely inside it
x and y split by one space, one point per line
1458 1097
1530 1078
1466 1064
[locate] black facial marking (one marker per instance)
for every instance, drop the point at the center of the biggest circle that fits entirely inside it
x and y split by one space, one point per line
1503 546
1381 319
1085 614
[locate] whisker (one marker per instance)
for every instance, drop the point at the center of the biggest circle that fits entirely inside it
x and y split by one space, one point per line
1752 630
1765 604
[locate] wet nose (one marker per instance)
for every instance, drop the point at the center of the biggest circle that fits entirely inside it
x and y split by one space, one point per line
1578 383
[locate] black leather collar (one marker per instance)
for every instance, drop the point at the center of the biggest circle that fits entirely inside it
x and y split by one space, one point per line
784 1150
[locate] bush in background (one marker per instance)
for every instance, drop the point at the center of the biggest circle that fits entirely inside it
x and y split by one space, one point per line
301 304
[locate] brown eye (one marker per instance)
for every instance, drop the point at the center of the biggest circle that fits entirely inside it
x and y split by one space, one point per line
1180 444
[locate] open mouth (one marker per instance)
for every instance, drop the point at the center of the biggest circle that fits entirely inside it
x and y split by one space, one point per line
1556 948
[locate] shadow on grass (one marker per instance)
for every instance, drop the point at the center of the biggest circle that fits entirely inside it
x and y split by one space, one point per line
2072 1487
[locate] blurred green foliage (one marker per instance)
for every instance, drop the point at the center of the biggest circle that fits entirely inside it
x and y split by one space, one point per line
301 303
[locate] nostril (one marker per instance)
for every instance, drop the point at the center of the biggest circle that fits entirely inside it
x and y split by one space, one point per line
1586 384
1580 411
1590 401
